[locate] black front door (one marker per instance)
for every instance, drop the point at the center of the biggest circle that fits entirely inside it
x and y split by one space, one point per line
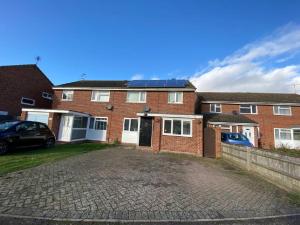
145 131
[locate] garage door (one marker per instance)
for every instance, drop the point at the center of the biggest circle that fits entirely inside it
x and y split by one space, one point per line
38 116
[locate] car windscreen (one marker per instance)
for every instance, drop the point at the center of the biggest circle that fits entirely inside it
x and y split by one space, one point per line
237 137
6 125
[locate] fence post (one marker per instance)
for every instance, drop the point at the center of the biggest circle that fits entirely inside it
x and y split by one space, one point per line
248 158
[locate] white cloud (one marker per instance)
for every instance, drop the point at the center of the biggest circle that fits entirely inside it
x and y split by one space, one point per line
137 77
249 68
155 78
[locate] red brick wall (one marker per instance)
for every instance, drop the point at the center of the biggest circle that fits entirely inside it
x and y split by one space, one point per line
22 81
157 101
192 144
212 142
266 120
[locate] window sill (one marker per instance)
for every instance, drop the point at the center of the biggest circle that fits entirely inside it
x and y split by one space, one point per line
177 135
175 103
65 100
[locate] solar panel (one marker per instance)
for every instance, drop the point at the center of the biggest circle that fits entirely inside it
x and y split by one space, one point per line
157 83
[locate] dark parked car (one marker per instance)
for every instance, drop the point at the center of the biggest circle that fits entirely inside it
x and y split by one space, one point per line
15 134
236 139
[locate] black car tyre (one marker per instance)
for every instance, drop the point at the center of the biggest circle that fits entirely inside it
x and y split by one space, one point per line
50 142
3 147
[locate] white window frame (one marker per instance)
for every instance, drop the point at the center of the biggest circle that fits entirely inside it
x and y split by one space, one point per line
129 126
107 93
279 130
46 95
69 92
176 97
251 108
282 106
210 107
179 135
140 94
97 119
25 103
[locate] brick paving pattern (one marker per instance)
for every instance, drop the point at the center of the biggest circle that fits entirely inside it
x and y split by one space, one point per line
120 183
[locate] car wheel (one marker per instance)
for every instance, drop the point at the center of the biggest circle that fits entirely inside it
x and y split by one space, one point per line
50 142
3 148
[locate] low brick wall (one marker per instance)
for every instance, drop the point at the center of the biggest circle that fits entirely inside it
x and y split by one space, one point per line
283 171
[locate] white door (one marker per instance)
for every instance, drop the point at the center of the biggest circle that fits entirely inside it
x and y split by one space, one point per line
65 129
130 132
249 133
38 117
97 129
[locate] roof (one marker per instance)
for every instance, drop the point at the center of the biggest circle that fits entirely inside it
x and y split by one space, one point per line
120 84
19 70
227 118
249 97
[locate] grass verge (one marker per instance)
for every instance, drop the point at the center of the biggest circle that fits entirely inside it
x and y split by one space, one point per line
25 158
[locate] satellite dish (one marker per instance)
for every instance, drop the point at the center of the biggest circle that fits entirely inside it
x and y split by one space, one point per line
146 109
109 107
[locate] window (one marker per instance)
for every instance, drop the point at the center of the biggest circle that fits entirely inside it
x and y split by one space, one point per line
248 109
283 134
177 127
131 124
136 96
27 101
296 134
175 97
215 108
26 127
282 110
47 95
67 95
100 96
80 122
100 123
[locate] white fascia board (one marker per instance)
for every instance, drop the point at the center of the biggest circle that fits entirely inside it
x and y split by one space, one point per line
171 115
251 103
55 111
123 89
234 124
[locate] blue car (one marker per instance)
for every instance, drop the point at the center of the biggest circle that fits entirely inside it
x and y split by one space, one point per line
235 139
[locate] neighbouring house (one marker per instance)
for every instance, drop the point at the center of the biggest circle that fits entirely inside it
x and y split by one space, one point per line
156 114
267 119
23 86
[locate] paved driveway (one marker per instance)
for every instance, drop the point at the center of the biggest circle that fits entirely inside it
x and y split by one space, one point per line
121 183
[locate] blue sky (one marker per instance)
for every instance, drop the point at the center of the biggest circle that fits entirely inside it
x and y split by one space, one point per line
153 39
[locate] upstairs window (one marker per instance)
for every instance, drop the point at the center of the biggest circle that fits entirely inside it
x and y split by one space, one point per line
67 95
47 95
136 96
175 97
248 109
284 110
27 101
215 108
100 96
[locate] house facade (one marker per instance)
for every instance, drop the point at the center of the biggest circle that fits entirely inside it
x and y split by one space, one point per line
267 119
23 86
154 114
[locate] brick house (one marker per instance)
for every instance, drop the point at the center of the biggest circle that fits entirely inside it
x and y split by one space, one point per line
156 114
267 119
23 86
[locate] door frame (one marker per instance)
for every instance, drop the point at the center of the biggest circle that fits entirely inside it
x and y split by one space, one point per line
252 131
152 125
138 131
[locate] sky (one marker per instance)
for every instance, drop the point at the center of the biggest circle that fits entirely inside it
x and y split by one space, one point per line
221 45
